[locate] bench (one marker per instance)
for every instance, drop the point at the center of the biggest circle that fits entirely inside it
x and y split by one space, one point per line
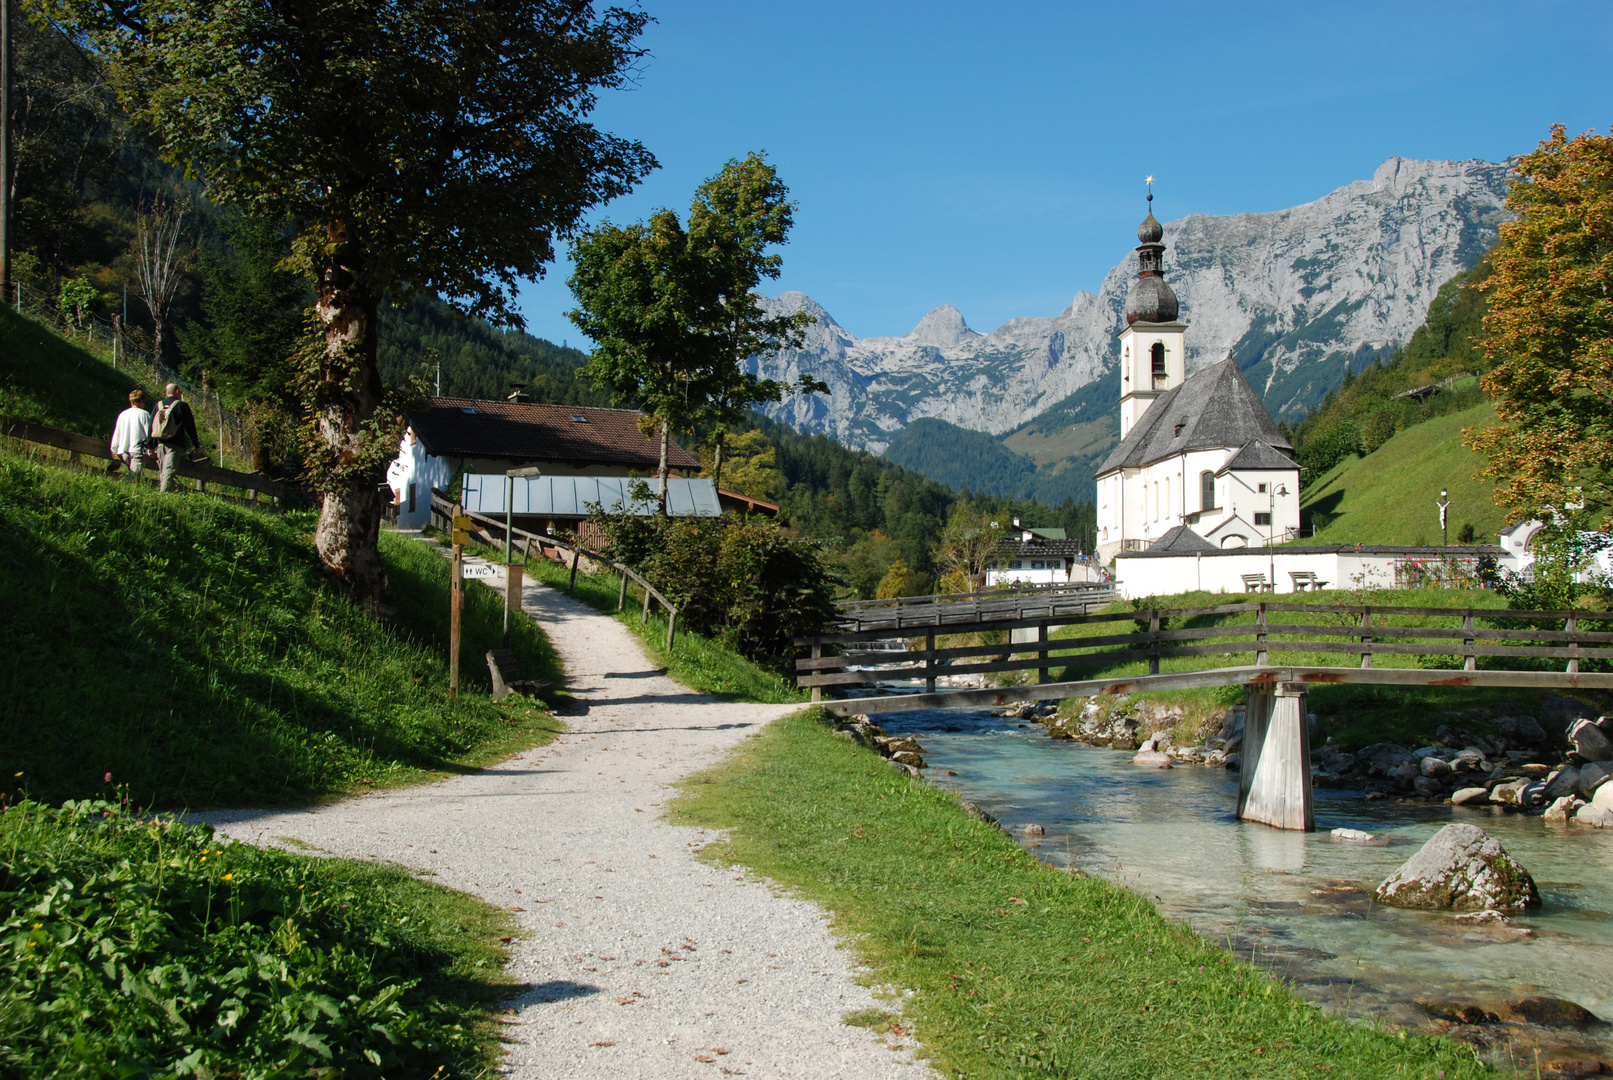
1256 583
501 665
1305 581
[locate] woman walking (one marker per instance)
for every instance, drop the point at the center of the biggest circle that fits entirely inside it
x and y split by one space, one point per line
132 435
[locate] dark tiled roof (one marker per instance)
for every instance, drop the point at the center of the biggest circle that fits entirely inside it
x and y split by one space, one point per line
1180 541
1215 407
1257 456
1039 549
513 431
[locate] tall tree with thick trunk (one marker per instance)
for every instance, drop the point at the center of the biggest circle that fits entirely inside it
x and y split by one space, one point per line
440 145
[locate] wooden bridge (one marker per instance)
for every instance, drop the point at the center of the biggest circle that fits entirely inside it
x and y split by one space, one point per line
1289 646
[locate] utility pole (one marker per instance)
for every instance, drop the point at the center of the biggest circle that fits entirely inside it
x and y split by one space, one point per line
5 150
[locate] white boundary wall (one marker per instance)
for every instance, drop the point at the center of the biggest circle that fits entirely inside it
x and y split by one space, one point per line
1222 572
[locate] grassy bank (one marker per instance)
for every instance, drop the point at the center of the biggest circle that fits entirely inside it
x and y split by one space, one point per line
50 380
1020 970
193 649
1365 500
148 949
696 661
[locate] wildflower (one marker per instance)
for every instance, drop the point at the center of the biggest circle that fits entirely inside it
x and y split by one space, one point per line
229 877
39 926
16 773
108 777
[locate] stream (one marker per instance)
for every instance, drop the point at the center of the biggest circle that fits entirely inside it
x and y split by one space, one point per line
1298 904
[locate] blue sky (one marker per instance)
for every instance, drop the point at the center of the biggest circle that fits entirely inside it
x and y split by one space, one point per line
991 156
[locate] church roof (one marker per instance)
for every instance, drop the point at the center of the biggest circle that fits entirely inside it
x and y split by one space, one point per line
1256 456
1214 408
1180 540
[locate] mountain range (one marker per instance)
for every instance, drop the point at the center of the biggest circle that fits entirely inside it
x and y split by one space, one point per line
1293 295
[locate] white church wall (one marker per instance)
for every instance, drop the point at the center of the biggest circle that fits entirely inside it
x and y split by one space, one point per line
1222 573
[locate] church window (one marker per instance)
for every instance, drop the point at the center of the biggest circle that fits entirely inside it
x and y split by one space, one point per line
1262 489
1207 486
1167 496
1263 519
1159 357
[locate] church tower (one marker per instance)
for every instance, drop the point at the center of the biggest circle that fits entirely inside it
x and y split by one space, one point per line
1152 357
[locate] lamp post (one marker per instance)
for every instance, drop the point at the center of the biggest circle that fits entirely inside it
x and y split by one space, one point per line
1444 529
512 584
1271 530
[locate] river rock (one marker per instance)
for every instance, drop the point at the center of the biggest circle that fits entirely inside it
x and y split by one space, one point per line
1462 868
1604 798
1434 767
1591 777
1590 741
1549 1011
1594 816
1234 762
1355 836
1521 731
1557 714
1509 793
1153 759
1470 760
1035 830
1469 795
1383 759
1427 787
1563 808
1564 781
1461 739
907 757
852 735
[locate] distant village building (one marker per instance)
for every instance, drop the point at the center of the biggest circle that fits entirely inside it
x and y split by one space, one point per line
1035 556
1198 452
586 455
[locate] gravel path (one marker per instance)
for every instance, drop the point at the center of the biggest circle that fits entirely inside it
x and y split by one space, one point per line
642 961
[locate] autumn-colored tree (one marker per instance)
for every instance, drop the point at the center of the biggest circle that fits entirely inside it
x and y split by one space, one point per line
1550 332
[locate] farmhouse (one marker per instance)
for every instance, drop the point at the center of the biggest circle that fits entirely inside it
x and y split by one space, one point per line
586 456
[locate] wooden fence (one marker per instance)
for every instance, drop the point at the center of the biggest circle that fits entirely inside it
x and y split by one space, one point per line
251 486
1362 632
947 608
492 531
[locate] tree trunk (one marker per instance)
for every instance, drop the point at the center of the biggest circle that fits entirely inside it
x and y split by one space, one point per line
716 459
156 339
348 393
666 438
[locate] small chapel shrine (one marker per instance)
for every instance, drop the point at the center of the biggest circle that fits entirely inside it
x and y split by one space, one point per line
1201 465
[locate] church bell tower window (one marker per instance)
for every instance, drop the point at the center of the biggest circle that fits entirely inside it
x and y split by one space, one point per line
1157 356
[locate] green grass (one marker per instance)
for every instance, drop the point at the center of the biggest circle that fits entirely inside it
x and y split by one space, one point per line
53 381
193 648
697 661
140 948
1020 970
1388 496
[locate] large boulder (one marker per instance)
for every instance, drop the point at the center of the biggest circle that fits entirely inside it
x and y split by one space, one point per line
1461 739
1564 782
1590 741
1520 733
1384 759
1591 777
1462 868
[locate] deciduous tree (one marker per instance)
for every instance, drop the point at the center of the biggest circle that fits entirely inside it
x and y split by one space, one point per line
1549 331
441 145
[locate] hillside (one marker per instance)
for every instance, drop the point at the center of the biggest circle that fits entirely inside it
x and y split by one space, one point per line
1388 496
52 381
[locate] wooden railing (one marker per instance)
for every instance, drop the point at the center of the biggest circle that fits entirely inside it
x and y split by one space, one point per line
1361 632
919 611
252 485
492 530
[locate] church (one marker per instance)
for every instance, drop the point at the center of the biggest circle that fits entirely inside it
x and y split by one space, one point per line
1201 465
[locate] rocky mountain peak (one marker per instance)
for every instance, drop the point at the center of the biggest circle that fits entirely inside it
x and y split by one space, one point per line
944 328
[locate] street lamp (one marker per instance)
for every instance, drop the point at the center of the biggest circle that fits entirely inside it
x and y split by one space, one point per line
1444 529
1271 529
512 589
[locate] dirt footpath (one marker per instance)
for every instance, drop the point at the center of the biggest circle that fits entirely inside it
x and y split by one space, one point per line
642 962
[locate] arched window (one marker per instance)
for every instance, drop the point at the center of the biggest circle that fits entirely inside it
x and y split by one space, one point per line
1207 485
1156 500
1168 503
1159 359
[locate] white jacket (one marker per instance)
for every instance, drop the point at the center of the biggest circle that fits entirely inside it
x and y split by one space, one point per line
132 431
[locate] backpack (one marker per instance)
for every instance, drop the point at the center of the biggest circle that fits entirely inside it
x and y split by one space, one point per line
165 420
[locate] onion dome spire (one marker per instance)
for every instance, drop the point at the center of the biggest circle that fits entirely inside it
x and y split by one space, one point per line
1151 299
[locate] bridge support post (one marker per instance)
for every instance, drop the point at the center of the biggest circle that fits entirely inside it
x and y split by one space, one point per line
1274 787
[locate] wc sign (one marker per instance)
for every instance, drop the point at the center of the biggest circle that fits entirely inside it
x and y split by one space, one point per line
476 570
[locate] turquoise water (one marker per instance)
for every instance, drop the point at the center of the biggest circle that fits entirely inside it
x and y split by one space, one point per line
1170 835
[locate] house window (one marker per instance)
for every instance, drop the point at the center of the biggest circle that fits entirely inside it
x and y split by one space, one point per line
1261 489
1014 565
1036 566
1207 487
411 498
1263 519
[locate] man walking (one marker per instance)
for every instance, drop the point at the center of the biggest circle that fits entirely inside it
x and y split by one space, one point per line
171 424
132 433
